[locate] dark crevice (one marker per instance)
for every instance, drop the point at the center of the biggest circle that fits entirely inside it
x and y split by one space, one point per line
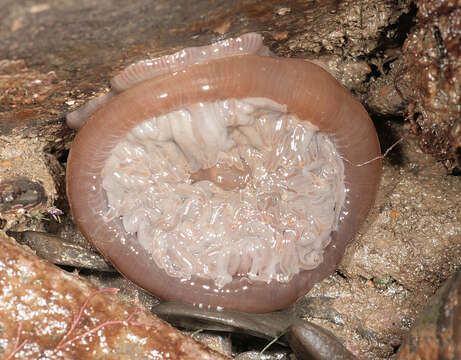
388 136
374 73
62 157
395 348
60 149
387 65
395 34
389 44
56 153
341 274
69 269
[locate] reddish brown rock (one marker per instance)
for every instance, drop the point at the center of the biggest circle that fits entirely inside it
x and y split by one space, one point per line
48 313
436 333
430 79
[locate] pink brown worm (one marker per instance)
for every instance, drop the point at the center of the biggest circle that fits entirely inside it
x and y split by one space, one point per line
309 92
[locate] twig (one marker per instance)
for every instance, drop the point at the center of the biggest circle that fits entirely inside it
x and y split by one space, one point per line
377 157
273 341
198 331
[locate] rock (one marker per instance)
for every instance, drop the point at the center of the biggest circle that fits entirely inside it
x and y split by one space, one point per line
309 341
266 326
59 252
436 333
46 312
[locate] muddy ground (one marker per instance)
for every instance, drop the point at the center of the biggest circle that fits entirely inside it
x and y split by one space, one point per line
57 54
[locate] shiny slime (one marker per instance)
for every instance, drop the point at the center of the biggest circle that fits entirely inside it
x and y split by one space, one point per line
223 176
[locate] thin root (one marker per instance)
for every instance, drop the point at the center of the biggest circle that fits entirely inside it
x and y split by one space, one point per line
127 321
377 157
17 347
